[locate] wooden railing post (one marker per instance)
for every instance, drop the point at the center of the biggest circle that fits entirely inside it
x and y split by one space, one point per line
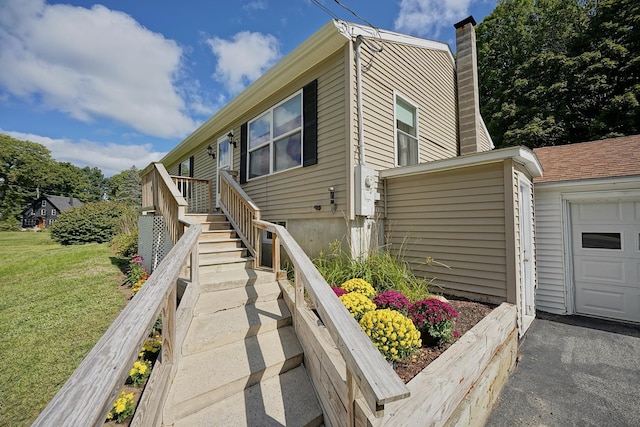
169 327
353 393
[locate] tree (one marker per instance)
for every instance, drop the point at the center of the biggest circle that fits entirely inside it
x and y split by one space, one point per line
25 168
126 187
557 71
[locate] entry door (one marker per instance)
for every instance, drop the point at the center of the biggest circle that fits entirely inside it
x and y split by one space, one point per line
606 258
527 279
225 162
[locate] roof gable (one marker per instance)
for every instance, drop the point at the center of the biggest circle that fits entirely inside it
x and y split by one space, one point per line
327 40
607 158
63 203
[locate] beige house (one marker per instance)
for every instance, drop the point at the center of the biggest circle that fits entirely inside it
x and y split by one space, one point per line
372 137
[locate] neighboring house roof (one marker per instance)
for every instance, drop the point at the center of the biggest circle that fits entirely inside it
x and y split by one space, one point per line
61 203
324 42
607 158
64 203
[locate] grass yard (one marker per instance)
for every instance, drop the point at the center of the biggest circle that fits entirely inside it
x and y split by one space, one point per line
55 303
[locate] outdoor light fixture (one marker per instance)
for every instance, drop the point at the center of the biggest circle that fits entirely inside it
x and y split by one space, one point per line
231 140
332 199
211 151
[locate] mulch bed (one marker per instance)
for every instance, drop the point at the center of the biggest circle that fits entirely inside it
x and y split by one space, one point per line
469 313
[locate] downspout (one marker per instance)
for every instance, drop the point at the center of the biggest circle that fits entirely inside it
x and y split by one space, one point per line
359 101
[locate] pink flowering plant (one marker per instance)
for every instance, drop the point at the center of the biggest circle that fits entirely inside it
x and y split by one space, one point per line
338 291
392 299
136 271
434 318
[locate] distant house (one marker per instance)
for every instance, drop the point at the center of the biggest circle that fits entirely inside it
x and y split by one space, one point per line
45 210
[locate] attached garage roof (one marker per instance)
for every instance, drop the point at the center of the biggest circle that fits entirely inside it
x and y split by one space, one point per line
607 158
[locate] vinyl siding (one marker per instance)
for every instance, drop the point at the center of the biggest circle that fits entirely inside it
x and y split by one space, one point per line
551 292
458 219
424 77
291 194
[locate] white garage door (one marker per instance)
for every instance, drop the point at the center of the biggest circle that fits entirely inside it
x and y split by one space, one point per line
606 259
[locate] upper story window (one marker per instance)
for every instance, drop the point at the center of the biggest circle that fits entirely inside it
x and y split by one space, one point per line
406 117
44 204
54 212
43 212
275 138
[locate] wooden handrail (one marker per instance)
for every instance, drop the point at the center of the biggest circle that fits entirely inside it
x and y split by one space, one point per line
86 398
197 192
241 212
160 192
368 372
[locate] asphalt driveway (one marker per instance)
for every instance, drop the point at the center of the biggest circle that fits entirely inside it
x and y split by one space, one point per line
573 371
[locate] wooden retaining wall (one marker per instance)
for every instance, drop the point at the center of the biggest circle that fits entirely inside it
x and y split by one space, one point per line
460 387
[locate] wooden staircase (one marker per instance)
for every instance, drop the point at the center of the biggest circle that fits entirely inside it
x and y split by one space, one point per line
241 361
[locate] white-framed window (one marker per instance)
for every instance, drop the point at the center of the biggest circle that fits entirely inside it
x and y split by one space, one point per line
275 138
50 221
267 236
44 204
54 212
406 131
43 212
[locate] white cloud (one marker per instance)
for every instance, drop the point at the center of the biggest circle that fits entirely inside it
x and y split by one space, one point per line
427 17
244 58
255 5
111 158
92 63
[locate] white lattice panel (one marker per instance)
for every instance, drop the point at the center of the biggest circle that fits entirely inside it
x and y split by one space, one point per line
145 240
161 241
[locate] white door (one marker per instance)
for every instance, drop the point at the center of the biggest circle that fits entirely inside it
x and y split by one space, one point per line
225 162
606 258
526 292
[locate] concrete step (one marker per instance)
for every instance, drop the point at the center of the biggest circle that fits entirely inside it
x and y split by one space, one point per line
206 217
222 265
212 245
216 235
210 256
209 377
216 225
213 302
285 400
218 329
216 281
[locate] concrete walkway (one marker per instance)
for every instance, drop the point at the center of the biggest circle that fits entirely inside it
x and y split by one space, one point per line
573 371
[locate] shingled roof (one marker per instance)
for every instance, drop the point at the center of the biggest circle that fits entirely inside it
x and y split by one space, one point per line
607 158
64 203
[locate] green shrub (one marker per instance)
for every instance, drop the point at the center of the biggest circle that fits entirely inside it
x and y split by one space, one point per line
382 269
91 222
10 224
125 244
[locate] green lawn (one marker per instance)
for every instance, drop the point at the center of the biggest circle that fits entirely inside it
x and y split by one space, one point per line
55 303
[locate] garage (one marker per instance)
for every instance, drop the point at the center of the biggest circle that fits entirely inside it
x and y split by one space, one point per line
587 220
606 258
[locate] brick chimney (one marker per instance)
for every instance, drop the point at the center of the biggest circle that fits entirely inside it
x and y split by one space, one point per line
468 97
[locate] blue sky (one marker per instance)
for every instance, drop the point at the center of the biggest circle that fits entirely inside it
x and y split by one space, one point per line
121 82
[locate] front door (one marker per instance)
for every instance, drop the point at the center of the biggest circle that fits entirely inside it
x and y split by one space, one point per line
527 280
225 162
